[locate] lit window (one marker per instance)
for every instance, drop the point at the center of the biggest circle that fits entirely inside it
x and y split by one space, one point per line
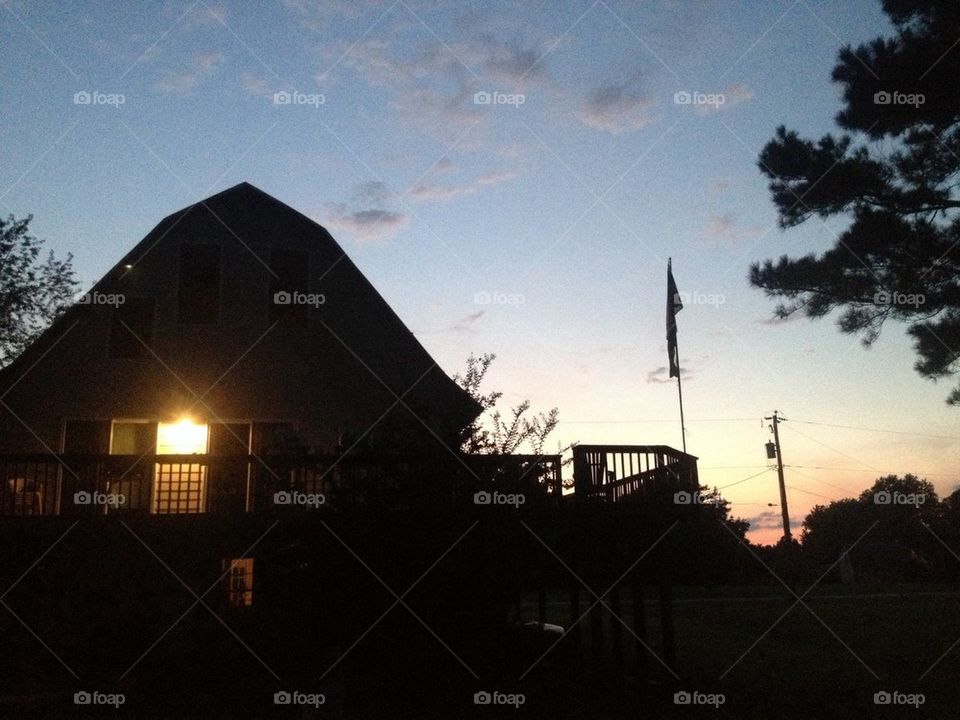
181 438
239 578
180 487
23 496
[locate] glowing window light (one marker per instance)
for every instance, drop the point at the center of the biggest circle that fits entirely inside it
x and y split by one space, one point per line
181 438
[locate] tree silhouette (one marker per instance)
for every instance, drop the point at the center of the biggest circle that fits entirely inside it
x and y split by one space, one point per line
32 293
896 178
886 527
490 432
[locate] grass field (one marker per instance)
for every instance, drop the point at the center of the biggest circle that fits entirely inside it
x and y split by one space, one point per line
826 657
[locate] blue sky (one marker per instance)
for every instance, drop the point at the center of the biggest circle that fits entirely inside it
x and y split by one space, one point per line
562 208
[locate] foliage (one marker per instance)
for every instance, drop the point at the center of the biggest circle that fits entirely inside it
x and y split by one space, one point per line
491 432
895 177
32 293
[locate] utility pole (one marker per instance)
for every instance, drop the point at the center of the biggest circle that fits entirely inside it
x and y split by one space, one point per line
783 488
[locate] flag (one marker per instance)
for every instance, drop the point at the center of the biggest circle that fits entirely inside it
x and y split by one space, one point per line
673 307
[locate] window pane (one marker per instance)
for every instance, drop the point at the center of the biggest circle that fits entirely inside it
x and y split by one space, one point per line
87 437
291 275
230 439
198 300
239 581
182 438
131 333
133 438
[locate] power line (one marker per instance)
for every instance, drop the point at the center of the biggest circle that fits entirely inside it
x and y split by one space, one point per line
881 430
745 479
653 420
732 467
839 452
812 493
823 482
862 470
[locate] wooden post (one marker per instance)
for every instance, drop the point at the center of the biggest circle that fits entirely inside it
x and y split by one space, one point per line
639 623
596 638
616 634
666 621
575 612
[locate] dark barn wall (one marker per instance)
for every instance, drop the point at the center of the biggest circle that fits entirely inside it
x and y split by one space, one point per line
304 374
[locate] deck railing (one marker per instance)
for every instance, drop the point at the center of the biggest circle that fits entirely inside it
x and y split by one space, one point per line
77 485
614 473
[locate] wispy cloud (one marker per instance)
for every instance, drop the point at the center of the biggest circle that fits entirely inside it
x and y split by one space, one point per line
433 191
189 15
465 324
766 520
662 375
430 85
725 228
616 108
201 66
733 95
368 215
256 85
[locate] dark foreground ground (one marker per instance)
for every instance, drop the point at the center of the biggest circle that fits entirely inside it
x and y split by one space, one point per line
741 653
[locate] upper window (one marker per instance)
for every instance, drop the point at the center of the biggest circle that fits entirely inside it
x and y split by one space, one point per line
289 284
131 332
198 298
86 437
133 437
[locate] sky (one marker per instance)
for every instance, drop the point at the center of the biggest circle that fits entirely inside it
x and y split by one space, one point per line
512 178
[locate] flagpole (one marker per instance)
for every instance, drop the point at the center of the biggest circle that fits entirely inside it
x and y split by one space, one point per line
683 429
674 305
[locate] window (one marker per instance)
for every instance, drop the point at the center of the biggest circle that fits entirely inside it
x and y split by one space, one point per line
86 437
23 496
229 474
130 476
239 579
198 299
291 277
133 437
180 487
182 438
131 332
276 438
